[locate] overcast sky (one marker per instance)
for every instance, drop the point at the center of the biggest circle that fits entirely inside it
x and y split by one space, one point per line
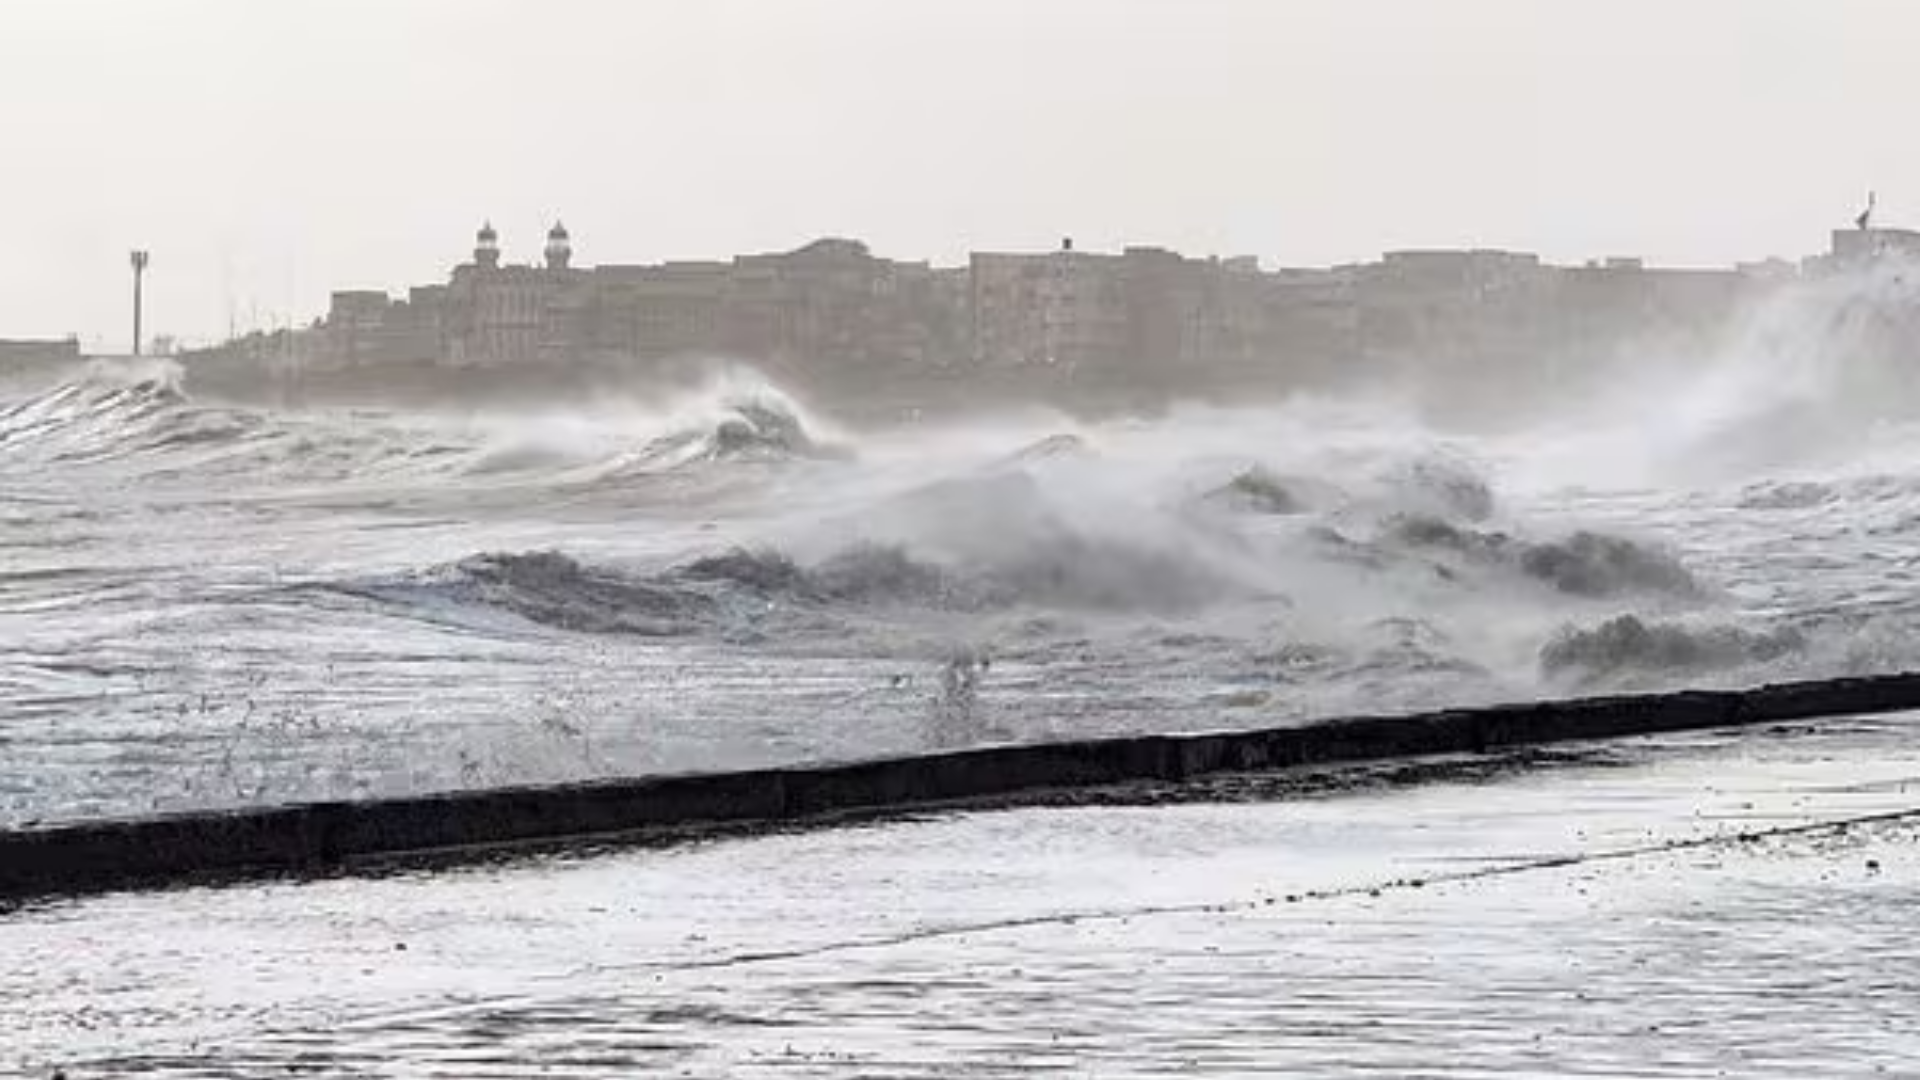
268 152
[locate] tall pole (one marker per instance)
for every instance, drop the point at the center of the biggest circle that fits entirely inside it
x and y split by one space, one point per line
139 270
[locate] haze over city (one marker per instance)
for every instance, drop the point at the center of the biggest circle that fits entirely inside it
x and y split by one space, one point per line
268 154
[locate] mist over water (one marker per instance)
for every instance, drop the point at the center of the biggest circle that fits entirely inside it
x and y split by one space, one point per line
205 603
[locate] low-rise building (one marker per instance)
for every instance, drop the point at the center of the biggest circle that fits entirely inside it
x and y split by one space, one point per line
19 353
1853 248
834 314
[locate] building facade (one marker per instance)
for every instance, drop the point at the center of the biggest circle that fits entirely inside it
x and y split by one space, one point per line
18 354
835 314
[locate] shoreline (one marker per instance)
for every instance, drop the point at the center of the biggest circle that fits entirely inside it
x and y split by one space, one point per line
462 827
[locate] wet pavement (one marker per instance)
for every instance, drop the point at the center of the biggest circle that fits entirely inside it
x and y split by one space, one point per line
1719 905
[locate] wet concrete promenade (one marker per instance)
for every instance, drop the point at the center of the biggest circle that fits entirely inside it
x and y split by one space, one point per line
1737 904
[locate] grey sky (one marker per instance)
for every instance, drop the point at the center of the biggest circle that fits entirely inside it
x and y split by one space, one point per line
270 151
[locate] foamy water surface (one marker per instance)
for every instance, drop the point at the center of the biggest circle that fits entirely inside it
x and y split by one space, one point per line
206 604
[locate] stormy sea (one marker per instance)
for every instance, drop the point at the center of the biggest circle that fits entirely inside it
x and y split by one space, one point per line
211 604
206 604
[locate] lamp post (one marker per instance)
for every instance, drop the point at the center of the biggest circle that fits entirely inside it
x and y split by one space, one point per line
139 260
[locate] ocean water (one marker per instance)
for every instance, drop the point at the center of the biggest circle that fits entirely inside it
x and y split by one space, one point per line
206 604
211 604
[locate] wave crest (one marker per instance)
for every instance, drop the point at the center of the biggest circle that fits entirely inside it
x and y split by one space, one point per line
1584 564
557 590
1626 648
751 427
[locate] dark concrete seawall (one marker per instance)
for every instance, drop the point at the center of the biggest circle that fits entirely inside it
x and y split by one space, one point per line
325 837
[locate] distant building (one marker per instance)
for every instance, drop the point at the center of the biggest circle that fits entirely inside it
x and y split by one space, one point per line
1308 325
1442 308
24 353
829 303
1062 309
368 327
649 313
1624 303
1853 248
1145 319
1142 317
832 305
495 314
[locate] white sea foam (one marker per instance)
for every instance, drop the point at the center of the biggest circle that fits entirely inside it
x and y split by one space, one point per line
670 564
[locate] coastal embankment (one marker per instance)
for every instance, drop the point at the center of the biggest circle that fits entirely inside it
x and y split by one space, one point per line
347 836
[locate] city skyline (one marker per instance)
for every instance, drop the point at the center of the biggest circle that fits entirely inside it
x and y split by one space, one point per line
267 159
1090 327
526 254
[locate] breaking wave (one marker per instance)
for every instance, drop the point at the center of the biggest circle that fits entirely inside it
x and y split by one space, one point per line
141 420
1058 447
762 428
865 574
768 592
1259 491
555 590
141 417
97 414
1441 486
1626 650
1586 564
730 594
1290 559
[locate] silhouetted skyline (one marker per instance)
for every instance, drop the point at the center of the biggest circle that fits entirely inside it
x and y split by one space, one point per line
267 154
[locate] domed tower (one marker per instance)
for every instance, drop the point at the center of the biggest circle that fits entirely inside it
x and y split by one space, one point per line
486 247
559 247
